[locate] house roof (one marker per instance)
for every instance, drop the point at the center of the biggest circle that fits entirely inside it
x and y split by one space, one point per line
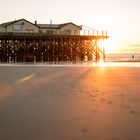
43 26
46 26
7 23
55 26
12 22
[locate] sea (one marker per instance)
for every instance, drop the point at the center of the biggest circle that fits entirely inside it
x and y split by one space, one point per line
112 60
123 57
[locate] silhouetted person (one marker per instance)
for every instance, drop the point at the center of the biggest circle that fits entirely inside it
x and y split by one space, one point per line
133 56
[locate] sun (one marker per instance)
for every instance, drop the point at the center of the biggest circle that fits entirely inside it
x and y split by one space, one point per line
111 46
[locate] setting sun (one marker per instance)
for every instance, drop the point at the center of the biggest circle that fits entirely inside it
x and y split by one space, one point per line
111 46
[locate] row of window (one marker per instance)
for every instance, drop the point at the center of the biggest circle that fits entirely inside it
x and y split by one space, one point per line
18 27
65 32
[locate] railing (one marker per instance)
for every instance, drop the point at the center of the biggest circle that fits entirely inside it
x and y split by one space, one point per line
93 32
82 33
85 31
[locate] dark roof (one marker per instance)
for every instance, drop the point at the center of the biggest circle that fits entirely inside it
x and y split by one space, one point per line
55 26
12 22
46 26
7 23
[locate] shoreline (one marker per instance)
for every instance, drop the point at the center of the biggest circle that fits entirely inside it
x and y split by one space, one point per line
126 63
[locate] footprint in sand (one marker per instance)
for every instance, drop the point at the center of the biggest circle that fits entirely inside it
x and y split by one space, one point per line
95 90
133 112
36 96
87 92
103 99
76 119
95 111
93 100
80 91
125 106
64 95
109 102
85 130
92 95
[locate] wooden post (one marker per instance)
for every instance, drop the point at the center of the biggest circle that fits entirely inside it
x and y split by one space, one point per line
50 48
97 54
104 54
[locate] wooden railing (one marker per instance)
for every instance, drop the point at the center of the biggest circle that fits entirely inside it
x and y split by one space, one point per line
82 33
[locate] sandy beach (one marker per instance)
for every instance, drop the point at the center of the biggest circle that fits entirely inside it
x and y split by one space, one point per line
69 103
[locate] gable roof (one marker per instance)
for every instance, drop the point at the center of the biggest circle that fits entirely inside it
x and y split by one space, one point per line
64 24
55 26
12 22
48 26
43 26
7 24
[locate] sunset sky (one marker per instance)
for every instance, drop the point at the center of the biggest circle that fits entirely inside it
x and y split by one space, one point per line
121 18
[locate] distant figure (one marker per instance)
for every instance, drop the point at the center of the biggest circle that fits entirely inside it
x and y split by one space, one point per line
133 56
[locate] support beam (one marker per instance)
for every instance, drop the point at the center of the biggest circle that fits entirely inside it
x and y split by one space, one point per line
50 48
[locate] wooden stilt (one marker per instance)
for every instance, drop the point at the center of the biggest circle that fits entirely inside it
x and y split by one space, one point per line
50 48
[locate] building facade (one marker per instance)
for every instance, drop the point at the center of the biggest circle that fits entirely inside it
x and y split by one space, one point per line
24 26
19 26
60 29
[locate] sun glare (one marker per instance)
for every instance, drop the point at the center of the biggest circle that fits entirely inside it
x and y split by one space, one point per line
111 46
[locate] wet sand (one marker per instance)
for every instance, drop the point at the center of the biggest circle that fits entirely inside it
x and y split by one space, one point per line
69 103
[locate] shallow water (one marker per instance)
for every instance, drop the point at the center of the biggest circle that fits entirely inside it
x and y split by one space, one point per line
75 64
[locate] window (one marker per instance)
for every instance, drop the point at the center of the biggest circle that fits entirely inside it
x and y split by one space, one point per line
40 31
75 32
49 32
17 27
29 30
67 32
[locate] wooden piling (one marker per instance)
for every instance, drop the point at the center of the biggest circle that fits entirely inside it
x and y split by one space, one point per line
42 48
